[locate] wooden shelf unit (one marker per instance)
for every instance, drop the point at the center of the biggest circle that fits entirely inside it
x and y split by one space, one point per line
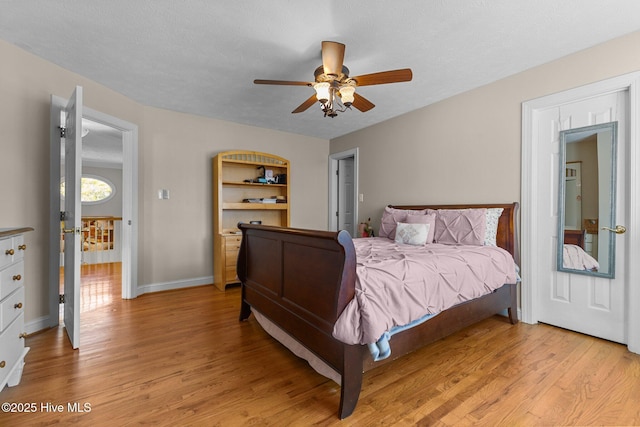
231 171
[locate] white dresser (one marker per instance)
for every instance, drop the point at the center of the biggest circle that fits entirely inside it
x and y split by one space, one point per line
12 281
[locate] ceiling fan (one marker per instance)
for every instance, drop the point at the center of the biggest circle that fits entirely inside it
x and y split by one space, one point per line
335 90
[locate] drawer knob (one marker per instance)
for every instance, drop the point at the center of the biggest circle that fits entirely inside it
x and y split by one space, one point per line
17 277
3 364
9 252
22 335
18 306
22 247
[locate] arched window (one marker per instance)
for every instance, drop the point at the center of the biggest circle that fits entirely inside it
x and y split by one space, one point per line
94 189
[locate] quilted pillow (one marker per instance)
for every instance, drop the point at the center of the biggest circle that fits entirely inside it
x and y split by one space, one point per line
429 219
392 216
463 226
412 234
493 214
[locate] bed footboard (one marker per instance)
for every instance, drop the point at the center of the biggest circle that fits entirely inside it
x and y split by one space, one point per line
302 280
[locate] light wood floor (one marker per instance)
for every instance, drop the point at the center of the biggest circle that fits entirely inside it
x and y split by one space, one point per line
182 358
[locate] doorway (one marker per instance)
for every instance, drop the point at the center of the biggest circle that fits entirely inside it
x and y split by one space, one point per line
343 191
128 231
540 280
101 225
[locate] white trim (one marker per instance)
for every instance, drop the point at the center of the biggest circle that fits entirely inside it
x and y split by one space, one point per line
531 274
528 219
333 185
633 238
176 284
37 325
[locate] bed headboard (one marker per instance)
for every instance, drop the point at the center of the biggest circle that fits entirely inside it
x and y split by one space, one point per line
506 237
574 237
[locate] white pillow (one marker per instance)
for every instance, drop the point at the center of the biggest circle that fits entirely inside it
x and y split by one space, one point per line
412 234
491 231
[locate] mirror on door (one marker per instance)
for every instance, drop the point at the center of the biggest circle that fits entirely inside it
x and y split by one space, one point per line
587 200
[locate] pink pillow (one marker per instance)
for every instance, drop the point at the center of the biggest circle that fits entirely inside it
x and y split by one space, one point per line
463 226
429 218
391 217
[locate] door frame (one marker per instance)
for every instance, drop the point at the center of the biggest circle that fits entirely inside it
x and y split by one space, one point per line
531 275
129 203
333 185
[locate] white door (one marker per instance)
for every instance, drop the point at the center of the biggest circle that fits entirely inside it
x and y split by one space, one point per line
73 216
579 302
343 191
346 195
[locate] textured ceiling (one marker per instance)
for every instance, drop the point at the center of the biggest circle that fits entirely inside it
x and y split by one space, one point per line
201 57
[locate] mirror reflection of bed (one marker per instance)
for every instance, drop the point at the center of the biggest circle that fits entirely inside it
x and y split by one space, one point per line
575 256
587 200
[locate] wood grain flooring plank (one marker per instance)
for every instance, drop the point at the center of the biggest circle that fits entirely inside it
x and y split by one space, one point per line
183 358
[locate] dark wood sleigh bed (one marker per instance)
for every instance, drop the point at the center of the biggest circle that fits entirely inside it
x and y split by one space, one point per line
301 280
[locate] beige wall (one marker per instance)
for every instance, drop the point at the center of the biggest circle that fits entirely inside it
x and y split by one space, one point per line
467 148
174 153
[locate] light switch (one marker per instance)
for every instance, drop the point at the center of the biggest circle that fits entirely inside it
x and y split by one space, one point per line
361 197
163 194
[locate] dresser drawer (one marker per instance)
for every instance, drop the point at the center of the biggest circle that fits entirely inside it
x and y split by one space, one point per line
232 242
231 257
11 307
232 247
11 346
18 248
11 278
6 250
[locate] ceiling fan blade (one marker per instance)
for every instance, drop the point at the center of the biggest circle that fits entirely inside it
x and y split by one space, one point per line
305 105
332 57
281 82
383 77
362 103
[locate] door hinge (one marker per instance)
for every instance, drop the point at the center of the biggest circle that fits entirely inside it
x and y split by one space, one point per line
61 299
337 214
63 132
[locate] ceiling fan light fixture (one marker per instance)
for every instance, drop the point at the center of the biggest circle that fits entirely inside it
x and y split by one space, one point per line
347 94
334 89
322 91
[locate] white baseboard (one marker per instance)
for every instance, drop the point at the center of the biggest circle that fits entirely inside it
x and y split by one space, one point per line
37 325
177 284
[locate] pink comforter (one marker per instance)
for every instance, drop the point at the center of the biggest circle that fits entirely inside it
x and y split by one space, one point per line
397 284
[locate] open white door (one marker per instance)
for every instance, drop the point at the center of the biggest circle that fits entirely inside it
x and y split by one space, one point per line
72 216
346 196
343 191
